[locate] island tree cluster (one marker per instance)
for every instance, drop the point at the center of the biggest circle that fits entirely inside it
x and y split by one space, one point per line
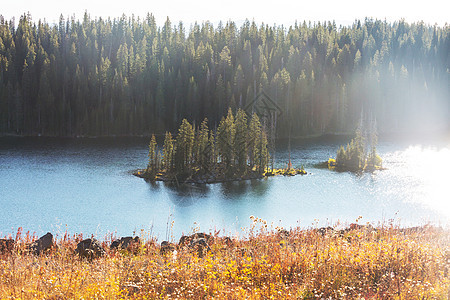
127 76
238 148
361 153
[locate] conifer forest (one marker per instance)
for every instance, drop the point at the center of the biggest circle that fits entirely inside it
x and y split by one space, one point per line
128 76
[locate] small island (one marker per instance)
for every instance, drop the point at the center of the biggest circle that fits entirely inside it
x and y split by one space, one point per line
360 155
237 150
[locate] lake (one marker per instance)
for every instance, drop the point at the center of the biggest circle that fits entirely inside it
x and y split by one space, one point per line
85 186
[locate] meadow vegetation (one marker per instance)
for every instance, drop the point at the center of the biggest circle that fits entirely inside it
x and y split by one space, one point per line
357 262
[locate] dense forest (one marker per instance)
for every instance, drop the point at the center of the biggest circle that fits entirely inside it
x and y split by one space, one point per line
127 76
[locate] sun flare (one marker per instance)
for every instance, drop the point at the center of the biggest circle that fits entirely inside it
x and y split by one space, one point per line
429 168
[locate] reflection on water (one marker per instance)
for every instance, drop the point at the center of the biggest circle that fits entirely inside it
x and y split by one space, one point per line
239 189
185 194
423 177
85 186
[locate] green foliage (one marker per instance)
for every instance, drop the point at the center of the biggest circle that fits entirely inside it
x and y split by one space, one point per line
241 141
184 147
255 131
168 152
373 160
203 151
355 157
225 139
341 154
152 166
264 156
241 148
129 77
212 150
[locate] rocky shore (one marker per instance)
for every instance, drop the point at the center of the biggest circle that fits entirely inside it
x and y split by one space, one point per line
353 262
91 248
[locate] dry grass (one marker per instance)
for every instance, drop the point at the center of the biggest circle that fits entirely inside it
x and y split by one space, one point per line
361 263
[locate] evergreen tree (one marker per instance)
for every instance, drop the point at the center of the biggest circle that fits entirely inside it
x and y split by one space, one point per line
152 156
355 157
213 151
264 156
240 141
168 152
204 151
225 140
129 77
184 147
254 136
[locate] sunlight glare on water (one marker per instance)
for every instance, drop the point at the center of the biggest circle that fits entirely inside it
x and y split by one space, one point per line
427 168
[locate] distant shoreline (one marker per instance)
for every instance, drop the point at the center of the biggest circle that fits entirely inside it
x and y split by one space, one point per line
319 136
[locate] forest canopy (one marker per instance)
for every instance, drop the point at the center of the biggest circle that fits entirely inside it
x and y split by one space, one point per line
127 76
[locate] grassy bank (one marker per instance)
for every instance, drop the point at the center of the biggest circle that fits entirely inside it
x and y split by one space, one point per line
359 262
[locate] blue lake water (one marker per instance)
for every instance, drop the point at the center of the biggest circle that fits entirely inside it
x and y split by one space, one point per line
85 186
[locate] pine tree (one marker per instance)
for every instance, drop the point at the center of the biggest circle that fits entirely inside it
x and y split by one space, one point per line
373 159
240 141
184 147
213 151
204 151
225 140
152 156
168 152
340 157
126 76
264 156
254 136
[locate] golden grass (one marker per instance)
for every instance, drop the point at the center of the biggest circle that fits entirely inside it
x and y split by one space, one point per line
361 263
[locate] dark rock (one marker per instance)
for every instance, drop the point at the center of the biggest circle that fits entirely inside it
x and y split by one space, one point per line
125 242
200 245
185 240
325 230
367 228
166 247
415 229
43 244
341 233
228 241
90 249
200 241
283 234
6 246
354 226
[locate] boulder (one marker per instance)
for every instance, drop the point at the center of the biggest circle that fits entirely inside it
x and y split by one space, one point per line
368 228
166 247
228 241
341 233
354 226
43 244
325 230
199 242
90 249
125 242
200 245
187 239
184 240
6 246
283 234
